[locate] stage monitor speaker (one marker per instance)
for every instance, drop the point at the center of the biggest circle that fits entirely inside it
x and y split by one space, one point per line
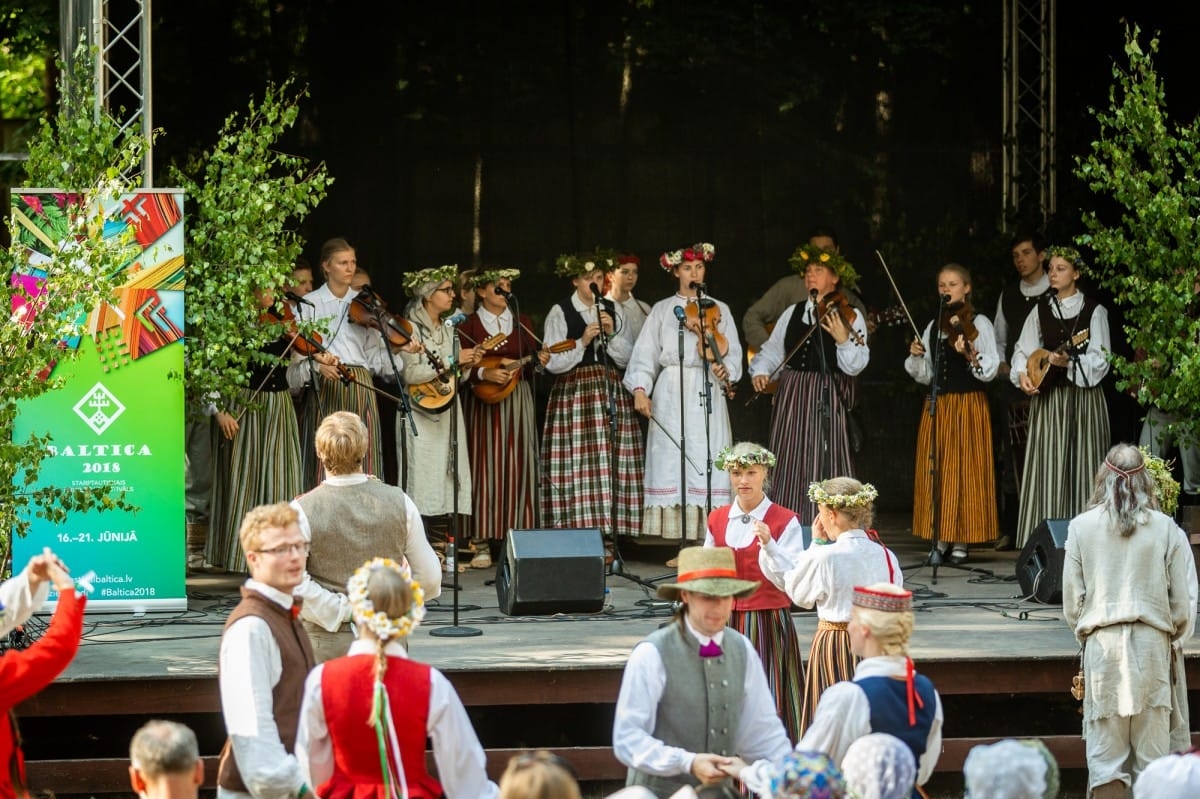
1040 564
551 571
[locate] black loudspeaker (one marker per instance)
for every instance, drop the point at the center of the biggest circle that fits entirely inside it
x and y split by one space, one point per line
551 571
1040 564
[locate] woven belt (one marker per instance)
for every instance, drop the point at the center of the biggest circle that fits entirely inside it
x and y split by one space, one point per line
831 625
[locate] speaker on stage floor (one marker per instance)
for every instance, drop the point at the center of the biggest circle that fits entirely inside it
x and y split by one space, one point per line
1040 564
551 571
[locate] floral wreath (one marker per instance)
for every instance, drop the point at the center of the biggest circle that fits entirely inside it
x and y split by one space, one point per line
493 275
807 254
583 263
379 623
701 251
1068 254
414 280
726 460
859 499
1166 487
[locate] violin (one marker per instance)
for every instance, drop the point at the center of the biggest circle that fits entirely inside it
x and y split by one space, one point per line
833 302
958 319
712 345
369 310
307 344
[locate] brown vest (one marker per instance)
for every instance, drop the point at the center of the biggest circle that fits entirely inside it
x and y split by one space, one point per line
296 654
352 524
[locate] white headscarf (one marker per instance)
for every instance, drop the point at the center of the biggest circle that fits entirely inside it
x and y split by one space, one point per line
1170 777
1005 770
879 766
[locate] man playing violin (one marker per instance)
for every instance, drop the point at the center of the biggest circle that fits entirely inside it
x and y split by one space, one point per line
360 350
502 425
815 350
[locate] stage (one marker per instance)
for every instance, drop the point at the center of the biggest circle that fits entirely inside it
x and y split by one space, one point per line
1003 667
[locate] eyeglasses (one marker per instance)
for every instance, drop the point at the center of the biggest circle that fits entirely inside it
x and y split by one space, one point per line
448 289
286 549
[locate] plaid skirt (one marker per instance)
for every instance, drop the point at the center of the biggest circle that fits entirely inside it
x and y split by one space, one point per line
581 482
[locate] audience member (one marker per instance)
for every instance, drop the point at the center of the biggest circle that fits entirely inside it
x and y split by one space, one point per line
1174 776
1005 770
538 775
880 766
806 775
164 762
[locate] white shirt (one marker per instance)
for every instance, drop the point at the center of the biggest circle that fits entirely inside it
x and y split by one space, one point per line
1093 362
920 367
636 313
461 763
843 716
825 575
251 667
354 345
852 358
740 534
17 603
426 568
620 344
1034 289
760 733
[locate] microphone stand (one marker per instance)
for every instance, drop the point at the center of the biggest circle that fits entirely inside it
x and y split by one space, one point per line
1075 371
707 394
823 407
455 631
682 317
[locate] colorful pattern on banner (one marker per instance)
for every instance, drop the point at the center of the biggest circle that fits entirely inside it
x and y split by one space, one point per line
118 419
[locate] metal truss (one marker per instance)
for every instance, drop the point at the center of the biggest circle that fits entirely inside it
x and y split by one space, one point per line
1030 166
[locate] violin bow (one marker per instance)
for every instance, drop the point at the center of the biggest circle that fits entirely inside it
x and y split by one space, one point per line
896 290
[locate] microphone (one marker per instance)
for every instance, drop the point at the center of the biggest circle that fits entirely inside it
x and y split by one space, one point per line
596 291
812 295
456 319
696 285
502 292
680 314
296 298
945 298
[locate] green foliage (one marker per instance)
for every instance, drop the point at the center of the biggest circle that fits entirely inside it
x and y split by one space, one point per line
22 79
79 273
245 196
1149 167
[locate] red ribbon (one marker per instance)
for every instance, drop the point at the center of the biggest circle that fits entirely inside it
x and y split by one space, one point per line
700 574
912 693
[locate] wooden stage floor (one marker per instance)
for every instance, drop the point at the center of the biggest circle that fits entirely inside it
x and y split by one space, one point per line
1002 665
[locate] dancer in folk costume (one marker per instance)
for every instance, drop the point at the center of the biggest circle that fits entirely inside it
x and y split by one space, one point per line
816 386
654 372
967 360
360 351
586 474
428 466
755 528
256 441
843 554
366 716
501 427
1068 418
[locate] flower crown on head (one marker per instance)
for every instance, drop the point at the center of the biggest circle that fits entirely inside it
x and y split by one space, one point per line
701 251
436 274
807 254
726 460
493 275
584 263
384 627
859 499
1068 254
1166 487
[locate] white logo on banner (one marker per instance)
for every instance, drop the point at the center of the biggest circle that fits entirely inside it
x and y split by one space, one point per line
99 408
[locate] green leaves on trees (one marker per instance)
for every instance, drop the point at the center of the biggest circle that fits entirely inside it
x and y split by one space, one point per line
1147 247
245 196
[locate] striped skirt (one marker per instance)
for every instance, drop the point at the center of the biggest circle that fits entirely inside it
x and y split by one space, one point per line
332 396
580 478
829 661
803 454
1062 456
261 465
773 635
502 448
966 499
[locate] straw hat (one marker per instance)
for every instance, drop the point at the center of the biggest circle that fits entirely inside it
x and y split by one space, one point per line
708 570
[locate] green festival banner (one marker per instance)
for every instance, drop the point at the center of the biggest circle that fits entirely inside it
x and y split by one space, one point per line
118 419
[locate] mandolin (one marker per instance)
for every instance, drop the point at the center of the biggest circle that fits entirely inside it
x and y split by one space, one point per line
1039 360
436 395
491 393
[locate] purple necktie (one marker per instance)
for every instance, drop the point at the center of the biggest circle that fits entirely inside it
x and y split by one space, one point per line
710 650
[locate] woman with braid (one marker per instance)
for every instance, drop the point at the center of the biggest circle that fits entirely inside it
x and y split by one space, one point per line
366 716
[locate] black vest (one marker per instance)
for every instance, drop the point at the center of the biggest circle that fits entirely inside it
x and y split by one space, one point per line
575 325
954 373
808 357
1016 306
1058 332
260 371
